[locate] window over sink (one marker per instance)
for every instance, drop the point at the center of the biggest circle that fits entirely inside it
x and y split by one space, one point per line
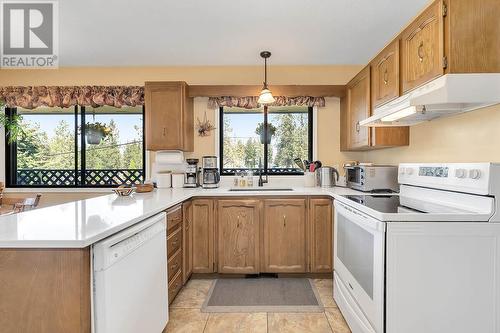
241 134
55 150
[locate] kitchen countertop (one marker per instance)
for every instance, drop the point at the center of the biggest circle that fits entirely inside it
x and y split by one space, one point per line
81 223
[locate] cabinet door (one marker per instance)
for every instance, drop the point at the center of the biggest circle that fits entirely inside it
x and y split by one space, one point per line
385 75
238 229
422 48
285 235
169 123
203 236
321 231
187 261
358 109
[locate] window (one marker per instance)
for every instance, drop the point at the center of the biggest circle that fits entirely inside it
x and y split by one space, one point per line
57 151
242 143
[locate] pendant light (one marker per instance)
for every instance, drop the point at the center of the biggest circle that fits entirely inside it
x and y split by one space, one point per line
265 97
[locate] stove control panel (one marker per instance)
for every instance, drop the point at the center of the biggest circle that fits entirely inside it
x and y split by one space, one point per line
474 178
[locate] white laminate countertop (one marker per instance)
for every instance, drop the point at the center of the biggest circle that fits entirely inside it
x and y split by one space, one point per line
81 223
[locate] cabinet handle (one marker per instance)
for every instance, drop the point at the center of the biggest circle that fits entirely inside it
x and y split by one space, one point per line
238 222
164 131
357 127
386 77
284 221
420 51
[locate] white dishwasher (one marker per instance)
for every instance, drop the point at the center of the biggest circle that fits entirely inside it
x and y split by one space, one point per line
130 279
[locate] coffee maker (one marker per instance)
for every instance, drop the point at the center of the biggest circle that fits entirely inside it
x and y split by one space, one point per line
191 174
210 172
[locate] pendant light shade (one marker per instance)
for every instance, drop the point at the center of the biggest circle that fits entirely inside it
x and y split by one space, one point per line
265 96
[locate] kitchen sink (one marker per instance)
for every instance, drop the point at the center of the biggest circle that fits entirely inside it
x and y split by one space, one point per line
259 189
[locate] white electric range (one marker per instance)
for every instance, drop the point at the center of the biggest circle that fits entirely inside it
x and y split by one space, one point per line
426 259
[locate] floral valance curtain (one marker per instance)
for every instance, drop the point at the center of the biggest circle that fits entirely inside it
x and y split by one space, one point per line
65 96
250 102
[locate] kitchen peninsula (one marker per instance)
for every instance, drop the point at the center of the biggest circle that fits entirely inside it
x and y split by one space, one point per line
52 247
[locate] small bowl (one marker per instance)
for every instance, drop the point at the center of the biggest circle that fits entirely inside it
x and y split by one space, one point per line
123 191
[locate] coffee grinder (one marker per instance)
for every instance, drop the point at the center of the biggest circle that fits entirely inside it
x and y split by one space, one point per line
191 174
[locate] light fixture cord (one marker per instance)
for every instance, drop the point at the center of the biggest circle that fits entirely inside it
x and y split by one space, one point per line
265 73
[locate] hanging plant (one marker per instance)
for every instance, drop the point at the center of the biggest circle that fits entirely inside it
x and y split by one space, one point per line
12 125
96 132
204 127
271 130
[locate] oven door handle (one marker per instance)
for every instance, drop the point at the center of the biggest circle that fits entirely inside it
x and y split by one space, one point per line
365 221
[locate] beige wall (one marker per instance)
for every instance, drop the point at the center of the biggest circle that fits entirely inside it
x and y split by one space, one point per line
469 137
192 75
474 136
328 129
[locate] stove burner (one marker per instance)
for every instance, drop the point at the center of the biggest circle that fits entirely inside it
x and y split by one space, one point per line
382 203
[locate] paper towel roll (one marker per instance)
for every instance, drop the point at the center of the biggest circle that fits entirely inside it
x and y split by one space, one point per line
169 157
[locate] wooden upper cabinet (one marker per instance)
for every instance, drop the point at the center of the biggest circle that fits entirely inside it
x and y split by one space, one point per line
422 48
203 236
385 75
284 233
358 109
354 108
472 30
238 230
169 116
321 231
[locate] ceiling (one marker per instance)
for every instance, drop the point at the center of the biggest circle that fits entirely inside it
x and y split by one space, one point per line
227 32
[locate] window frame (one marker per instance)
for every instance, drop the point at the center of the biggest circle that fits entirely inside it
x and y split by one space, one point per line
80 161
265 170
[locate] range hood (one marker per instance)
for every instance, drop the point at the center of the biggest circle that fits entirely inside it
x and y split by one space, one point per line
447 95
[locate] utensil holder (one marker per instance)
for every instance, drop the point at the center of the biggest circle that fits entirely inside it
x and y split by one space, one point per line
309 179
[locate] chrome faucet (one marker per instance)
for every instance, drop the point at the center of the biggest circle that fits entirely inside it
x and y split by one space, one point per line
261 181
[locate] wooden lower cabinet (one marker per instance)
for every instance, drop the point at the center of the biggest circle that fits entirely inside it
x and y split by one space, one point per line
238 236
45 290
203 236
284 246
321 235
175 249
187 239
254 235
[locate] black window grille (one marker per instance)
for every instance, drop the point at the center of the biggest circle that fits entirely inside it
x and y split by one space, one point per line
79 176
264 119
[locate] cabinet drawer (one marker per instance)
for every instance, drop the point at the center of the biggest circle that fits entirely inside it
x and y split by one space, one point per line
174 218
174 242
174 286
174 264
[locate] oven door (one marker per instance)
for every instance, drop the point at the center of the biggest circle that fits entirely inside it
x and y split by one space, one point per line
359 242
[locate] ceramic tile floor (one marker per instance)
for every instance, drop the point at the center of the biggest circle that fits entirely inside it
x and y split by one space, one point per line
185 315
